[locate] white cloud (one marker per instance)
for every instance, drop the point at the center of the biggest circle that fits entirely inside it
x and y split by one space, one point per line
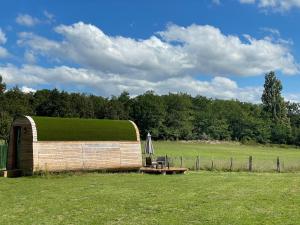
278 5
50 18
215 53
176 51
247 1
27 89
2 37
292 97
29 57
272 31
48 15
27 20
169 61
108 84
37 43
217 2
29 76
3 52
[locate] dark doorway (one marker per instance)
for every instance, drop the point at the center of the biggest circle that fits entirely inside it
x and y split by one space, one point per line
16 148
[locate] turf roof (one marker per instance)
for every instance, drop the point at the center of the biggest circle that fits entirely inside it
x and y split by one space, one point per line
75 129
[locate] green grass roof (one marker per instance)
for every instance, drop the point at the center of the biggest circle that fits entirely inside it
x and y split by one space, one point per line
75 129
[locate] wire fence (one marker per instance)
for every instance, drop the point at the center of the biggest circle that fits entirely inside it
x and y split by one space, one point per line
234 164
3 156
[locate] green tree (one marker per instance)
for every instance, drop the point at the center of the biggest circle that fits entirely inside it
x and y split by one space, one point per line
179 116
5 123
275 108
118 107
99 104
125 101
207 126
281 133
5 118
272 100
17 103
2 85
148 111
81 105
52 103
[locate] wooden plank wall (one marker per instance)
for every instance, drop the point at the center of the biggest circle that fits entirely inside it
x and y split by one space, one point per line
80 155
131 154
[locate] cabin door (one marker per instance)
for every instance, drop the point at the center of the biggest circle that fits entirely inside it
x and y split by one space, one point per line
16 148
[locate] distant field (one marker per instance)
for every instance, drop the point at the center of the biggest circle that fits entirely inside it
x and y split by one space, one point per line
222 150
196 198
264 158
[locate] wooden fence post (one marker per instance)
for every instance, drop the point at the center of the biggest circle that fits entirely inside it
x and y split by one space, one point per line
231 163
180 161
278 165
212 165
250 163
198 163
167 161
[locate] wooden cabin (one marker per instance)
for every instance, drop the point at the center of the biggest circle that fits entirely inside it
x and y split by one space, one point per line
68 144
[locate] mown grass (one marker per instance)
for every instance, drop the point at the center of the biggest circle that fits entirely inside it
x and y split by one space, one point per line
264 157
75 129
194 198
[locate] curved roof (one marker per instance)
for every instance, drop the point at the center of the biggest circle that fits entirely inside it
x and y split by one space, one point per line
75 129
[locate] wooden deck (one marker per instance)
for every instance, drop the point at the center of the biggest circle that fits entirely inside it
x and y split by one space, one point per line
164 171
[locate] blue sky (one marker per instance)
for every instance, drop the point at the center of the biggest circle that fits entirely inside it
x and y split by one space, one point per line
216 48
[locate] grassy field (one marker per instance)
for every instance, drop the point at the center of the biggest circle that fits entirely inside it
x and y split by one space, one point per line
264 158
194 198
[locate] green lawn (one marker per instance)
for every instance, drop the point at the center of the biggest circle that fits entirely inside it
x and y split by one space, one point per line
194 198
264 158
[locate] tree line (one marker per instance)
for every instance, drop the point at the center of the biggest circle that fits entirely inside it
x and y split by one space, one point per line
168 117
